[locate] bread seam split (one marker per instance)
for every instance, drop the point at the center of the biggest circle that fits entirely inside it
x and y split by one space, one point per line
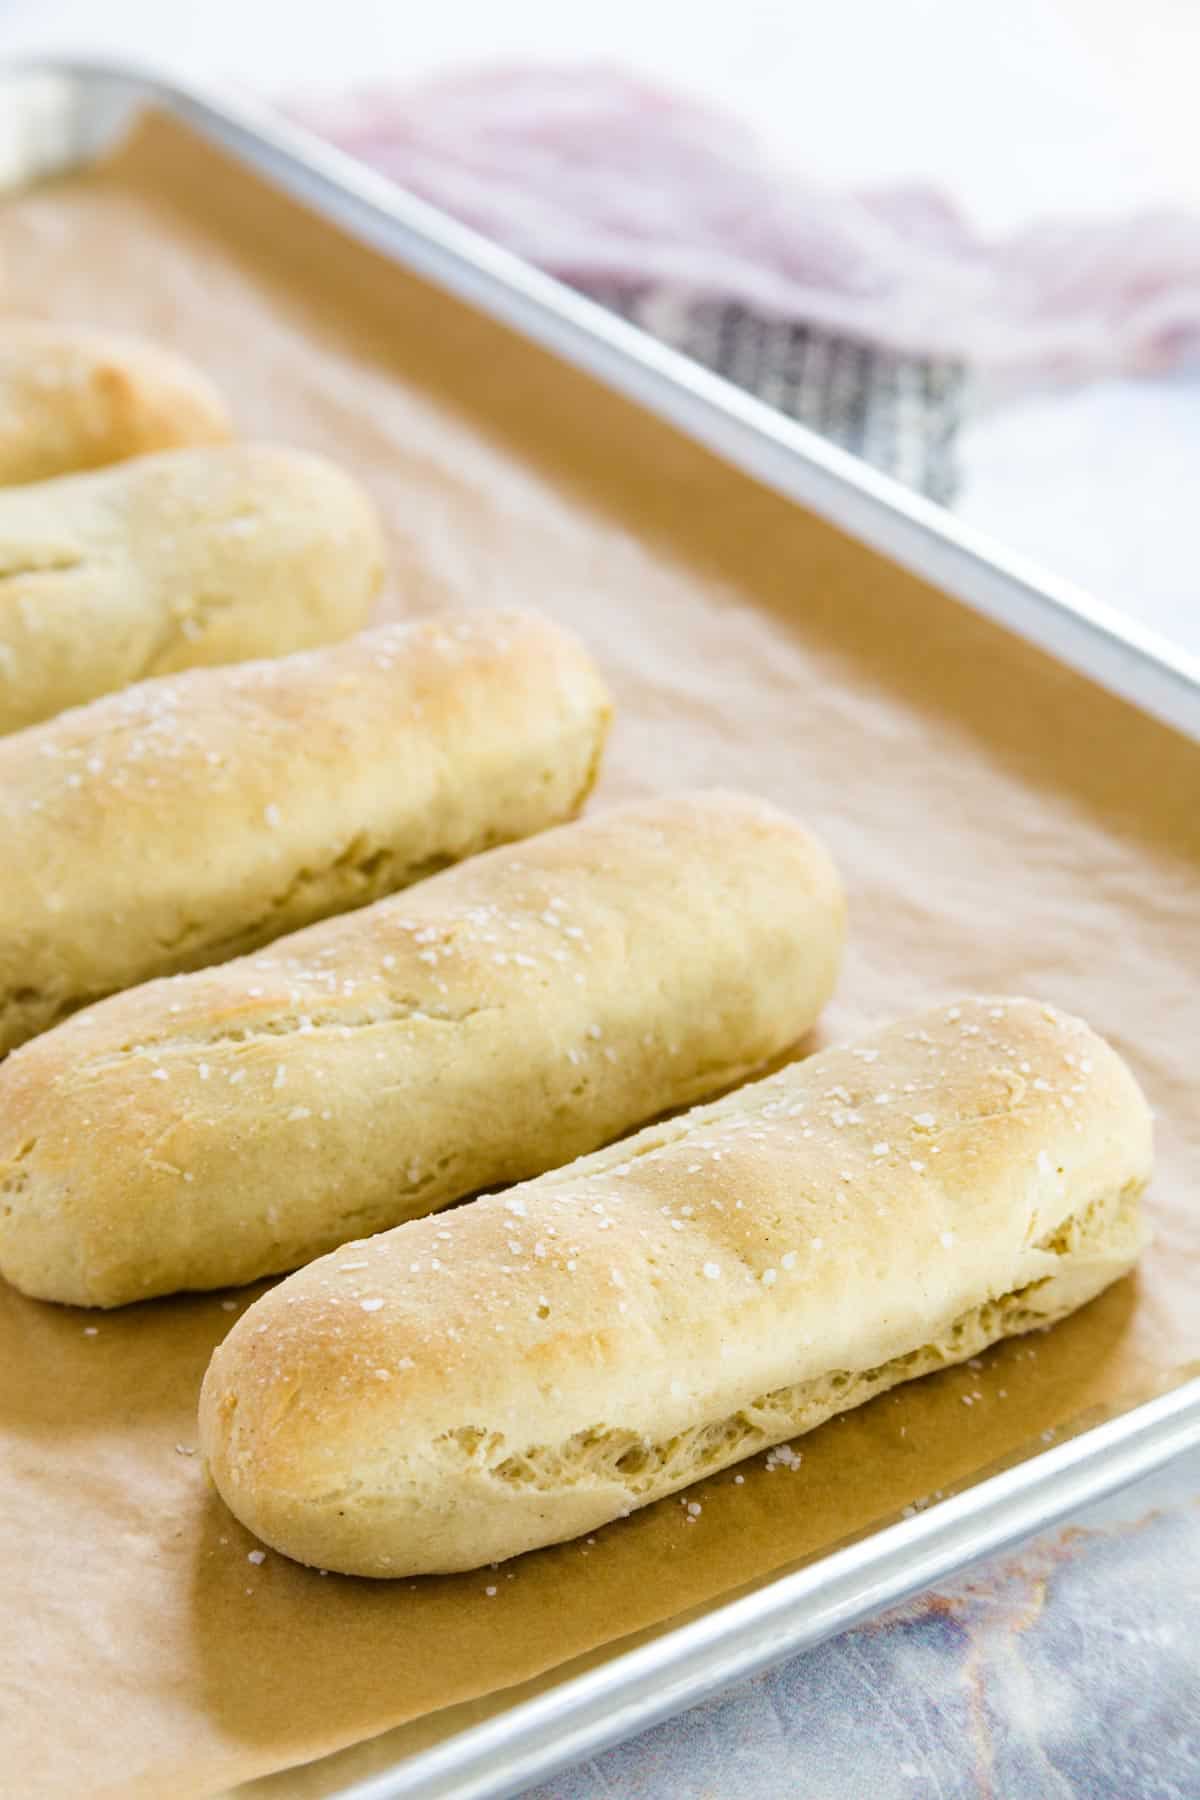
792 1411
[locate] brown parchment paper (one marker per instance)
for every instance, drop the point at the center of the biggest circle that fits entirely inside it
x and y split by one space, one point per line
1001 825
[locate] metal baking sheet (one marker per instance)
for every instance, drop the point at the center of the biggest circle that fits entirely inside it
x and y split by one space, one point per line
56 117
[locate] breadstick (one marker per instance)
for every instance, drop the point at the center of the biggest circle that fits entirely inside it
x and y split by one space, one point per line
169 562
531 1366
493 1022
72 398
200 816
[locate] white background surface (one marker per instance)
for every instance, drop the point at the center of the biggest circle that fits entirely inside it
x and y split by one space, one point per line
1020 109
1002 103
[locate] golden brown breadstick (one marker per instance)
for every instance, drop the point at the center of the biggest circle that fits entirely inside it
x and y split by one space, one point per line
174 561
198 817
492 1022
528 1367
74 398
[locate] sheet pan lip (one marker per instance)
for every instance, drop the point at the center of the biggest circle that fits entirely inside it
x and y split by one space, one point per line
1080 629
639 1687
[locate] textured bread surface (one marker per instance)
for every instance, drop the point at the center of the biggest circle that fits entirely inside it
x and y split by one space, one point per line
493 1022
535 1364
167 562
72 398
199 816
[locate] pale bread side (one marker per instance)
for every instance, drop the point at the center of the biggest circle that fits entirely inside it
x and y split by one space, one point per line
540 1362
492 1022
181 560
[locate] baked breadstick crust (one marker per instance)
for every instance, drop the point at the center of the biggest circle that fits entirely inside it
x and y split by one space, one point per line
73 398
197 817
497 1020
182 560
533 1365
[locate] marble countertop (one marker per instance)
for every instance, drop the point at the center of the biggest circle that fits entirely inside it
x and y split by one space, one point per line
1069 1670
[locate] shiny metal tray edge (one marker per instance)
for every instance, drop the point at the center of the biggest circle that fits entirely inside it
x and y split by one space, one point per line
633 1691
56 115
68 111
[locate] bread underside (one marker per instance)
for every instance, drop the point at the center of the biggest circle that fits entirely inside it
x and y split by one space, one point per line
1106 1235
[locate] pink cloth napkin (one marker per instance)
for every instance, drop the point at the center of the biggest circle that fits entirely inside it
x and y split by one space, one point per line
603 179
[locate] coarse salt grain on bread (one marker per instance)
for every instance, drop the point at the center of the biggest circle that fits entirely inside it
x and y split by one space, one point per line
530 1366
200 816
176 561
492 1022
